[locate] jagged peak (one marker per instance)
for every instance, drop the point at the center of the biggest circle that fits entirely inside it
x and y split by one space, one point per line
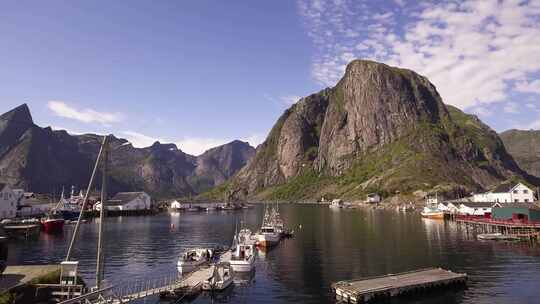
20 114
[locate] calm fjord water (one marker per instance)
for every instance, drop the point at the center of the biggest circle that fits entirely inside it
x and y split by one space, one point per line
331 245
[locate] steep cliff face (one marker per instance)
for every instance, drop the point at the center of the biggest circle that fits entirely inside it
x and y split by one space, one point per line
524 146
380 129
218 164
43 160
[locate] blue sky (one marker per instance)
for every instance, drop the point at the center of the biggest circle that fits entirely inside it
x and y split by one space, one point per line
201 73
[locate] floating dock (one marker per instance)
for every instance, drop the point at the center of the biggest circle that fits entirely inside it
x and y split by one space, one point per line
24 231
391 285
15 276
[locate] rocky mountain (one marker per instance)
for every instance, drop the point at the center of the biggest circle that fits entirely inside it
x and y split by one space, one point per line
524 146
380 129
43 160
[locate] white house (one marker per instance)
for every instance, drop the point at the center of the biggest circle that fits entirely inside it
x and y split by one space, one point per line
507 193
128 201
373 198
176 205
8 202
476 208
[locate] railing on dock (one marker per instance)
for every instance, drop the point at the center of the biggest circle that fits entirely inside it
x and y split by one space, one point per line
509 223
128 291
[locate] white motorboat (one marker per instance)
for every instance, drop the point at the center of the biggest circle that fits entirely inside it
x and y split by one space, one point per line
243 258
222 277
270 233
268 236
431 210
193 258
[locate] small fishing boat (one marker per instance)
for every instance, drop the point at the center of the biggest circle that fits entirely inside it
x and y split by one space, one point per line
268 236
194 209
211 208
222 277
193 258
243 258
431 210
53 223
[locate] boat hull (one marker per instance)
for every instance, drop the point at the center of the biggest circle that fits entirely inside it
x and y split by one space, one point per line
433 215
187 267
53 226
243 265
268 240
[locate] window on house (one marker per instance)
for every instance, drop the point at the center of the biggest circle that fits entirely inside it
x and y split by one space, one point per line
515 200
525 191
526 200
515 192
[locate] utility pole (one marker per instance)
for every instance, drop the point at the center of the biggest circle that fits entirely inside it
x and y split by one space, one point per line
100 256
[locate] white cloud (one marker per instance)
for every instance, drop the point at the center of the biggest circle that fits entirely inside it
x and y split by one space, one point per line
482 111
62 109
255 139
139 140
529 87
190 145
289 100
473 51
511 107
284 100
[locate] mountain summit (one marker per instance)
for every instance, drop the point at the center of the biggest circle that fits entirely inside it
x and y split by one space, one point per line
380 129
42 160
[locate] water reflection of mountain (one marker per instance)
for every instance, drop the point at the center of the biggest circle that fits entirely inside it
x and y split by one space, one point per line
330 246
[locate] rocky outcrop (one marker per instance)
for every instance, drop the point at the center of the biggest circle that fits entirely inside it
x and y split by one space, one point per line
524 146
381 129
43 160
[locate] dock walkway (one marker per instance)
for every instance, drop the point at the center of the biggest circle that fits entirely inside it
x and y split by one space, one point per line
170 285
364 290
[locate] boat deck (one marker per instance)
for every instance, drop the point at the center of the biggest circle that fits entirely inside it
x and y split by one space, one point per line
364 290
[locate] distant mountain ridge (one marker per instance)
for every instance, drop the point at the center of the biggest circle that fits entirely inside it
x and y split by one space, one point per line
42 160
380 129
524 146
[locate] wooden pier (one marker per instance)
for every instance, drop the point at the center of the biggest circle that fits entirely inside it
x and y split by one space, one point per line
517 229
391 285
168 286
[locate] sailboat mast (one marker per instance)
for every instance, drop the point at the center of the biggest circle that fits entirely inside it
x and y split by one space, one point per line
100 251
85 200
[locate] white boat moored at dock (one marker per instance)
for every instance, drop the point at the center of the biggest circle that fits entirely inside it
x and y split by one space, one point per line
222 277
243 258
193 258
